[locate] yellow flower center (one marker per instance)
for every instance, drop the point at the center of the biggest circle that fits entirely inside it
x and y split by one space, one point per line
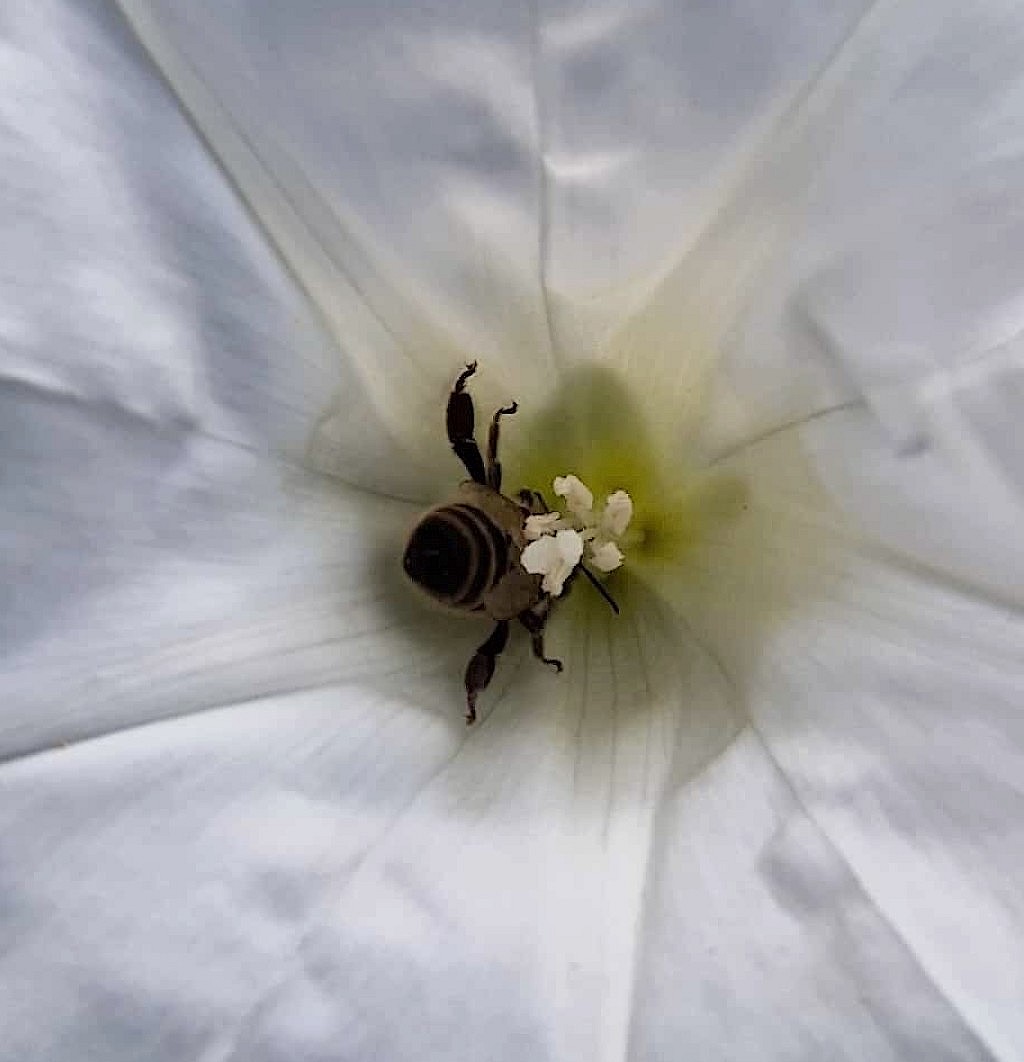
594 426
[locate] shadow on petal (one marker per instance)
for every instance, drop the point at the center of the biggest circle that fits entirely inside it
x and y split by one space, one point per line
750 575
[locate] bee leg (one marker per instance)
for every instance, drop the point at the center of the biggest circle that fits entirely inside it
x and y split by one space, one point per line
493 464
532 502
534 619
480 668
460 421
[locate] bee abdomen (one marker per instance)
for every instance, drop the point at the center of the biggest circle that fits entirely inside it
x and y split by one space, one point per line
457 553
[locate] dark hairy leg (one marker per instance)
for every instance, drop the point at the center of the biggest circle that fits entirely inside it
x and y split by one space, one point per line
460 421
480 668
493 464
534 620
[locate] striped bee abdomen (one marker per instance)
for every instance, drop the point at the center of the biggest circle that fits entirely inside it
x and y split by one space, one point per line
457 553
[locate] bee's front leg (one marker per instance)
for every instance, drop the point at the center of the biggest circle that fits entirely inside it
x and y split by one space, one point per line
493 464
459 421
532 502
480 668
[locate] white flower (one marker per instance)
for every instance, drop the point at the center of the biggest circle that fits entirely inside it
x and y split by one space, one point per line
771 811
554 557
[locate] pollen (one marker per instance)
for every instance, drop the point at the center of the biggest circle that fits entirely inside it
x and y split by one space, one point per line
555 557
558 542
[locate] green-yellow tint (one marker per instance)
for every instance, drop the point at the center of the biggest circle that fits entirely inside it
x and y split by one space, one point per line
593 428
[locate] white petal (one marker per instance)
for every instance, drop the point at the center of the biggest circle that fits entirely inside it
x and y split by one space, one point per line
889 698
179 863
869 245
406 200
644 139
912 766
161 553
792 957
262 879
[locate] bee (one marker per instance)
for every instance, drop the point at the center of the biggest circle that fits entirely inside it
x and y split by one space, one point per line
466 552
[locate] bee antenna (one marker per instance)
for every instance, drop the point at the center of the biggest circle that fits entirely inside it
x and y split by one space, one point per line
596 584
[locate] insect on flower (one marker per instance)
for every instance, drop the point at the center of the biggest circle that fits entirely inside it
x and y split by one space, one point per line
473 553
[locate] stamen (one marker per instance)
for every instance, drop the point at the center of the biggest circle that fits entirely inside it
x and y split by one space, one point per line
599 587
550 551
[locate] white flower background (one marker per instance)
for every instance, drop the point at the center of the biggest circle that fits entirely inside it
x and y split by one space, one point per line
773 812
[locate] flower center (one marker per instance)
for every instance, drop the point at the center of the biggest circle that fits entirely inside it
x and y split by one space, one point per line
558 543
656 505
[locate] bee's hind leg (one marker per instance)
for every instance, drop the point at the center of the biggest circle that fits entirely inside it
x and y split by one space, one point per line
534 619
480 668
